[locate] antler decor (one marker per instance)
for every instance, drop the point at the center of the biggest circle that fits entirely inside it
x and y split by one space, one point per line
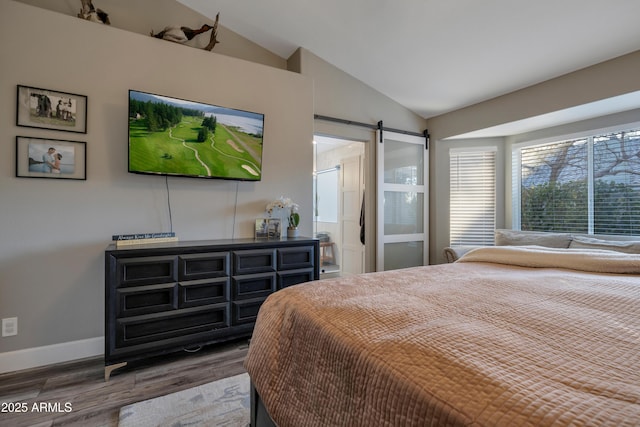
92 14
184 34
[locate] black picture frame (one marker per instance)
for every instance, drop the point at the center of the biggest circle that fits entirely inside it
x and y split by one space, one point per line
50 109
50 158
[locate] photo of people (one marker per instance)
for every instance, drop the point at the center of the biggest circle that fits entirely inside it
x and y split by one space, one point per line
49 109
42 108
51 159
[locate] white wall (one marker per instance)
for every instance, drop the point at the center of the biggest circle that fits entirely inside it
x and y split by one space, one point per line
53 232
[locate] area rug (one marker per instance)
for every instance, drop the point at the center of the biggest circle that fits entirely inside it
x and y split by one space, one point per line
224 402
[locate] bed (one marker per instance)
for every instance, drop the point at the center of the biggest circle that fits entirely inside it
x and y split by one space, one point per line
505 336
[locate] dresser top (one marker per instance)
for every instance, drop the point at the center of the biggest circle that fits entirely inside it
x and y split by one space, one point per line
194 244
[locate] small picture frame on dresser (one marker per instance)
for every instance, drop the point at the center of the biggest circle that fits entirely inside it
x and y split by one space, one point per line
262 228
274 229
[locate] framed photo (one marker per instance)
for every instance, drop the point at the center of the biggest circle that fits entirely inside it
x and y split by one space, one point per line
262 228
48 109
274 230
50 158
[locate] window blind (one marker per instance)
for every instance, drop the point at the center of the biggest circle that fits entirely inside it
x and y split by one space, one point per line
588 185
472 197
554 186
616 189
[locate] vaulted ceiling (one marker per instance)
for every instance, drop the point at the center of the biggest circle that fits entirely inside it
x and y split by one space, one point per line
435 56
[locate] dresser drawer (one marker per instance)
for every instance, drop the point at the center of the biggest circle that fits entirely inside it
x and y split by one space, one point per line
203 292
148 328
254 261
296 257
253 285
146 299
294 277
146 270
246 311
202 266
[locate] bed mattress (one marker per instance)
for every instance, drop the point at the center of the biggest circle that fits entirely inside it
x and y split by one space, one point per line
508 336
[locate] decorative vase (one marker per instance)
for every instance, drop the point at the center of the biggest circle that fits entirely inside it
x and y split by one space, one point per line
292 232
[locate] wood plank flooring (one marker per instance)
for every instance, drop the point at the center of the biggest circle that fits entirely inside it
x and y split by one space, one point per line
93 402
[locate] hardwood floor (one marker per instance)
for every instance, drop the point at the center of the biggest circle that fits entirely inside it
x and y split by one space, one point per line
80 386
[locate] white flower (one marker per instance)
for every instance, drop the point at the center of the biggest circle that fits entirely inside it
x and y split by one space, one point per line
286 204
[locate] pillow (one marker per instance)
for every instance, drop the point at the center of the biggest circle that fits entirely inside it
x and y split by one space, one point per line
453 254
527 238
629 247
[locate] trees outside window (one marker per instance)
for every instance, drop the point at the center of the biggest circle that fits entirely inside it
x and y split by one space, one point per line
588 185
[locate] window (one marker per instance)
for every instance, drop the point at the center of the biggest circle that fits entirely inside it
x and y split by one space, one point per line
472 194
586 185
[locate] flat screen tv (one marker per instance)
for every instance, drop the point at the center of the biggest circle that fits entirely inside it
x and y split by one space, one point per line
171 136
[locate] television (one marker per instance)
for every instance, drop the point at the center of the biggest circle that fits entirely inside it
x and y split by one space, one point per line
172 136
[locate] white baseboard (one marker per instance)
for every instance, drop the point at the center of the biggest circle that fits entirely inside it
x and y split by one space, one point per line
49 354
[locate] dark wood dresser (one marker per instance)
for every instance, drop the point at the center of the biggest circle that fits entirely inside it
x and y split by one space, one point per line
177 296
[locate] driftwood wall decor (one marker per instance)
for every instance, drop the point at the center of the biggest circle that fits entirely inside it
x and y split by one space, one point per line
92 14
184 34
171 33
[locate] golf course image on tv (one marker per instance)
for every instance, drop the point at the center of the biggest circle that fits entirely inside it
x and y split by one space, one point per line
172 136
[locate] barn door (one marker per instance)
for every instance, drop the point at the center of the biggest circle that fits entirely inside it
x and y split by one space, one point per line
402 201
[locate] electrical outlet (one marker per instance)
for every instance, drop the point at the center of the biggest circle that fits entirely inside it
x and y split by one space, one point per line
9 326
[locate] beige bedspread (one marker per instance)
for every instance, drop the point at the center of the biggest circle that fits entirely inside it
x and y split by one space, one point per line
480 342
